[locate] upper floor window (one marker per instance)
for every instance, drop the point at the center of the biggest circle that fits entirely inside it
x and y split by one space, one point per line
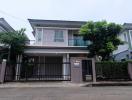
130 31
59 36
39 35
125 37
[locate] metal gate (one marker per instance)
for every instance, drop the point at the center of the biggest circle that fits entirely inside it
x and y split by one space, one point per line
87 70
34 71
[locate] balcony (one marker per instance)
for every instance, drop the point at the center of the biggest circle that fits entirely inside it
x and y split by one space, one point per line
77 42
71 42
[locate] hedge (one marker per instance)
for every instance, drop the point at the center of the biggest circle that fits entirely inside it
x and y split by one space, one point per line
117 71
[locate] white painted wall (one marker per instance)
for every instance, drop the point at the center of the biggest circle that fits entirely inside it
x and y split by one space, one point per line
48 35
48 38
123 47
130 35
66 67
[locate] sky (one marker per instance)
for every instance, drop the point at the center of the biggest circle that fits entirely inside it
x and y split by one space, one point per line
16 12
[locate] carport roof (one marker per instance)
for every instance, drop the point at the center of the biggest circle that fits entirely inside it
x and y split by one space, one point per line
55 50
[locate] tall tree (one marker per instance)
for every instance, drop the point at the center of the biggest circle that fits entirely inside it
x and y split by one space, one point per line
103 37
15 41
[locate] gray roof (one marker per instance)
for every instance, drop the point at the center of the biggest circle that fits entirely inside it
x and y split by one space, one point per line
4 26
56 23
127 26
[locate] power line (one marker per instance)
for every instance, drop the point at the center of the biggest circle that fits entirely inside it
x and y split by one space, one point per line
18 18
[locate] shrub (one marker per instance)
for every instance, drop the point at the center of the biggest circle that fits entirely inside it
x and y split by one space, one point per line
112 71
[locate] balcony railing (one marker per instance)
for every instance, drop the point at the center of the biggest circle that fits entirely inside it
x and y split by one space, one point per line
77 42
71 42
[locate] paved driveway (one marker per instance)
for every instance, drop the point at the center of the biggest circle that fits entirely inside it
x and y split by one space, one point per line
67 93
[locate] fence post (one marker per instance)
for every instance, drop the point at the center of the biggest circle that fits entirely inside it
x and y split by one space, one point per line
76 70
2 71
94 70
18 67
130 69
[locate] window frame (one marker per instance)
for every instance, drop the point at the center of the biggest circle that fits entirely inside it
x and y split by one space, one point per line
58 36
39 35
125 37
130 35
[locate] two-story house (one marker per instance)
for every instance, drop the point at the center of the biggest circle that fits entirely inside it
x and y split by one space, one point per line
56 41
124 52
4 27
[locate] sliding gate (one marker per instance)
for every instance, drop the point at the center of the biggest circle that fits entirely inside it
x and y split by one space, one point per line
34 71
45 71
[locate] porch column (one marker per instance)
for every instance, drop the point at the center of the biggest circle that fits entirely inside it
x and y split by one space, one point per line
2 70
38 66
66 70
68 65
18 67
94 70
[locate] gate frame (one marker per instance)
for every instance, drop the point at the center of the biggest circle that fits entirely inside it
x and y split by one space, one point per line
80 68
93 68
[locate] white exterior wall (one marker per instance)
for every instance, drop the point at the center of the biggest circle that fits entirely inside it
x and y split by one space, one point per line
66 67
130 35
48 38
123 47
48 35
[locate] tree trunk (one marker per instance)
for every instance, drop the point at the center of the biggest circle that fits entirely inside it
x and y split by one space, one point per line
9 54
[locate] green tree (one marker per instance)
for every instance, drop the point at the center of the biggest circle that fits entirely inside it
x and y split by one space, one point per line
15 42
103 37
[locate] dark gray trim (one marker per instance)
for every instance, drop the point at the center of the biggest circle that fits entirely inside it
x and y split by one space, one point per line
5 25
45 47
127 26
56 23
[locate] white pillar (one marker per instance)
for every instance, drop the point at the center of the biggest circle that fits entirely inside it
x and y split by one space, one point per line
2 71
94 70
66 70
68 64
18 67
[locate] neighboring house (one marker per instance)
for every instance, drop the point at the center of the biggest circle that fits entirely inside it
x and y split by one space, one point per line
4 27
124 52
55 43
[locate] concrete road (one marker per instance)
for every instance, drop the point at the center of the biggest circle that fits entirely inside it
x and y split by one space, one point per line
67 93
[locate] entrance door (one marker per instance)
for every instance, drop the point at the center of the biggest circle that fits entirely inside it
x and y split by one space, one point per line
87 70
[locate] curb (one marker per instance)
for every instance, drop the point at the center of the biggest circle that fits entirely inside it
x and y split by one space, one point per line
39 85
96 84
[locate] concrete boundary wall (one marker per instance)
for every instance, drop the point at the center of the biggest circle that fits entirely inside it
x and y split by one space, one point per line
2 70
130 70
0 66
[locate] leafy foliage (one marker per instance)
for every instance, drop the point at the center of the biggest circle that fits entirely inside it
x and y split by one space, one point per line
103 36
116 71
15 41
